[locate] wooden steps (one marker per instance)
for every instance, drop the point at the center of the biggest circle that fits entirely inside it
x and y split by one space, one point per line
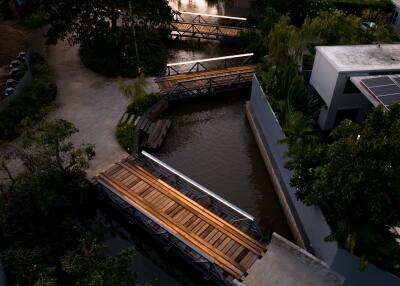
155 132
233 250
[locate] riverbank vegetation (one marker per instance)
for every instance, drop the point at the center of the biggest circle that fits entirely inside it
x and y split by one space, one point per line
48 231
140 102
31 106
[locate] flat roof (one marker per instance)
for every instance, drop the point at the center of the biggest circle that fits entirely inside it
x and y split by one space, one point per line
356 58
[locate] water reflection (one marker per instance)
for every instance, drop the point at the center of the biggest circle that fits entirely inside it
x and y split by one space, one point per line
214 7
198 6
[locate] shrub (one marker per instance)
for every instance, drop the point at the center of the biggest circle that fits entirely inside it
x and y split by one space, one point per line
140 105
30 106
357 6
125 135
117 57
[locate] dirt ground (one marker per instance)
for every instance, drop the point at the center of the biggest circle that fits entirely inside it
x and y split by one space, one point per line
13 39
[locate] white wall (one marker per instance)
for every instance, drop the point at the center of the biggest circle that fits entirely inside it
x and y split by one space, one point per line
330 85
323 77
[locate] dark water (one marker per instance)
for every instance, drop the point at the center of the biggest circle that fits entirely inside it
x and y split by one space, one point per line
211 142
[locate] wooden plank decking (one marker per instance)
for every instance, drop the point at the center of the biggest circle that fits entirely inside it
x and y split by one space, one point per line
169 83
232 250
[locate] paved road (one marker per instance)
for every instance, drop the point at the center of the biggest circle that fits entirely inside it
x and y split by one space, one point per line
91 102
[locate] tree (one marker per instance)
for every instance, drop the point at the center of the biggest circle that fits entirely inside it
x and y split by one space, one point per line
312 8
354 179
45 211
88 265
135 90
285 44
80 21
254 41
338 28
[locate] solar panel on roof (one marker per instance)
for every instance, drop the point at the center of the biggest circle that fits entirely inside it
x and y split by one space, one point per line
396 79
385 90
377 81
388 99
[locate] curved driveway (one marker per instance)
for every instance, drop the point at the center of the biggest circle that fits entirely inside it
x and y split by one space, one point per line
93 103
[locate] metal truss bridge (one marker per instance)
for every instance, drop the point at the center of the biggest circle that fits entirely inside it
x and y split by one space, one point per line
210 233
207 26
206 77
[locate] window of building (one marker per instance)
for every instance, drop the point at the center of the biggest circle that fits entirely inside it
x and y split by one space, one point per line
351 114
393 19
350 87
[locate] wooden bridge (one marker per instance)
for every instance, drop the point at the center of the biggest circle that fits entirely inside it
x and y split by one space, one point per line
206 26
203 77
213 235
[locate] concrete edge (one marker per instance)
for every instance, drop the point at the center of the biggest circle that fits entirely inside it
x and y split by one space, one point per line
306 258
297 233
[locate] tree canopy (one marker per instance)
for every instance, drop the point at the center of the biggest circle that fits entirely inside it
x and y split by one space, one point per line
45 211
336 27
355 181
86 20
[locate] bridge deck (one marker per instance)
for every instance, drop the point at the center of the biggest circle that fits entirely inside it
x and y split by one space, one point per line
206 29
232 250
199 79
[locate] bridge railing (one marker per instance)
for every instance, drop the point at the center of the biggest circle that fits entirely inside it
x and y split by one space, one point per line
211 85
187 250
207 64
210 19
213 202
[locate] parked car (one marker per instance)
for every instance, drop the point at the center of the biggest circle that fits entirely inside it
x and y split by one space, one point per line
13 64
11 83
368 25
9 91
21 56
14 74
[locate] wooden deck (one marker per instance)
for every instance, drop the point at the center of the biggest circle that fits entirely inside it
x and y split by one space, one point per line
233 251
204 30
199 79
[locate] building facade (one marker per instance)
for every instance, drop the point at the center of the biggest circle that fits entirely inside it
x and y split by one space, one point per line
333 69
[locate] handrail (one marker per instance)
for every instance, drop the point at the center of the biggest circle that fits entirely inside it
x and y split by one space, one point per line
211 59
155 220
213 16
216 76
200 187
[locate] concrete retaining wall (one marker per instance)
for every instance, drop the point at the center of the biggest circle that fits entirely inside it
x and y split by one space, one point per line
307 222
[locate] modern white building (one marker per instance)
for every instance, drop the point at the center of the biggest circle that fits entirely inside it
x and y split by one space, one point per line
395 19
337 68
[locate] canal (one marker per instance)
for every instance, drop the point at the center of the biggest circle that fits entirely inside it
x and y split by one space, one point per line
211 142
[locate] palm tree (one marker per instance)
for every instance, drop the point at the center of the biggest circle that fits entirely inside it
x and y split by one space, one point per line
134 90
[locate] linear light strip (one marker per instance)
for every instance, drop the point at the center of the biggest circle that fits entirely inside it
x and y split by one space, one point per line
204 189
215 16
211 59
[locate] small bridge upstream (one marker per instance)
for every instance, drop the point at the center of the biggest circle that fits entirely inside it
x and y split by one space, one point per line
207 26
213 235
206 77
